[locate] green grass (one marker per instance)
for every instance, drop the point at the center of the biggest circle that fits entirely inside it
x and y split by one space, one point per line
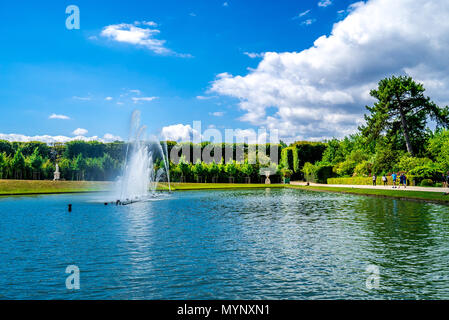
20 187
400 194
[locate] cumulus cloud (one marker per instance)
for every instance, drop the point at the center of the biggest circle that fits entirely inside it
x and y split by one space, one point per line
179 132
141 34
321 92
108 98
56 139
80 132
58 116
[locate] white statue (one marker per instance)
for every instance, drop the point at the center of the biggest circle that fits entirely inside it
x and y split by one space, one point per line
267 175
57 174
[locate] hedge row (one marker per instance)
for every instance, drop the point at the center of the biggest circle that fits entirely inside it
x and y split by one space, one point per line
363 181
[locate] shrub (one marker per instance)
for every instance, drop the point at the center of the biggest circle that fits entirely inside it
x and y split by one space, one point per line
426 183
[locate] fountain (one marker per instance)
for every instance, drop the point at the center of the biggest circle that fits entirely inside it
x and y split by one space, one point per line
140 177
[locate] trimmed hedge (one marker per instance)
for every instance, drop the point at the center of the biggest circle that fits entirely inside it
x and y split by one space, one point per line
364 181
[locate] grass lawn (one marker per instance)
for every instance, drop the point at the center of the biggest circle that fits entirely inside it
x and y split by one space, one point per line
400 194
20 187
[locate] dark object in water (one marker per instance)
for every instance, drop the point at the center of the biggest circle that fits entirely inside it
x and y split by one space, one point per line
118 202
70 208
105 203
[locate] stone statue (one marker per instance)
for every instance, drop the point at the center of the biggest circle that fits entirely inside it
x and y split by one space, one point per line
267 175
56 174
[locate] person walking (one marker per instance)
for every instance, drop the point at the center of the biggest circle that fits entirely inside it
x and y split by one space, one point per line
394 177
443 180
374 180
404 180
384 179
447 179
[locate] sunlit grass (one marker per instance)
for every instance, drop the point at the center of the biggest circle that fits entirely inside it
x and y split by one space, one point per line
17 187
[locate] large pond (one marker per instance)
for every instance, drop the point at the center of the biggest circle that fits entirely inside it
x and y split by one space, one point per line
233 244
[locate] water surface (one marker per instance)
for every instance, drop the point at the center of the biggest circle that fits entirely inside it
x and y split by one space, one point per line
231 244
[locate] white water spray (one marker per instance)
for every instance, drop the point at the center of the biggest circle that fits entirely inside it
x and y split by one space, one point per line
140 179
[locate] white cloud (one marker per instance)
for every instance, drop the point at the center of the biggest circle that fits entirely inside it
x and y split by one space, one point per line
143 99
302 14
321 92
179 132
140 34
324 3
108 98
217 114
80 132
308 22
225 4
136 91
192 14
253 55
54 139
109 137
205 97
81 98
58 116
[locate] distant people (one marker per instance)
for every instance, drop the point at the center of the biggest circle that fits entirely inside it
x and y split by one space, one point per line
403 180
443 180
385 180
374 180
394 177
447 179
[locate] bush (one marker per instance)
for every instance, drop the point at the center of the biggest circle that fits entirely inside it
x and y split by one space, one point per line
426 183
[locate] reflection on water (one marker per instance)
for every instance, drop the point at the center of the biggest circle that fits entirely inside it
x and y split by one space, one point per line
242 244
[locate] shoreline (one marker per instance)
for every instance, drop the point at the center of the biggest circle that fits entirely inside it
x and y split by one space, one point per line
408 195
31 188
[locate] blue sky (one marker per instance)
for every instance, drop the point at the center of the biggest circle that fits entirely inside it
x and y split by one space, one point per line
45 67
96 79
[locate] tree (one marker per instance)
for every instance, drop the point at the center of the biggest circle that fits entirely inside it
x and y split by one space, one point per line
247 169
18 164
79 166
3 164
402 106
36 162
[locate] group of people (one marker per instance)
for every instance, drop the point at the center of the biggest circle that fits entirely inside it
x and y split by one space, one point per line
394 177
445 179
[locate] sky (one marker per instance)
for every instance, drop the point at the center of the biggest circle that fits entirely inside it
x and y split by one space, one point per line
303 68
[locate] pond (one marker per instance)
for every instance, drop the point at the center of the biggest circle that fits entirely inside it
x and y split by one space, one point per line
230 244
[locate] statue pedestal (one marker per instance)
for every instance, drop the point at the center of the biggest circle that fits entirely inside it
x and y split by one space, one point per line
267 181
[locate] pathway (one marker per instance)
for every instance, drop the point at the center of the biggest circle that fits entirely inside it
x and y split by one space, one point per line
409 188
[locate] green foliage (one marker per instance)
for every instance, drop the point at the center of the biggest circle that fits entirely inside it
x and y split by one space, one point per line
426 183
401 113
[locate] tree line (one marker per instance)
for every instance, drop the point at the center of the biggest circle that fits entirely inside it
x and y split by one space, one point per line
396 137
